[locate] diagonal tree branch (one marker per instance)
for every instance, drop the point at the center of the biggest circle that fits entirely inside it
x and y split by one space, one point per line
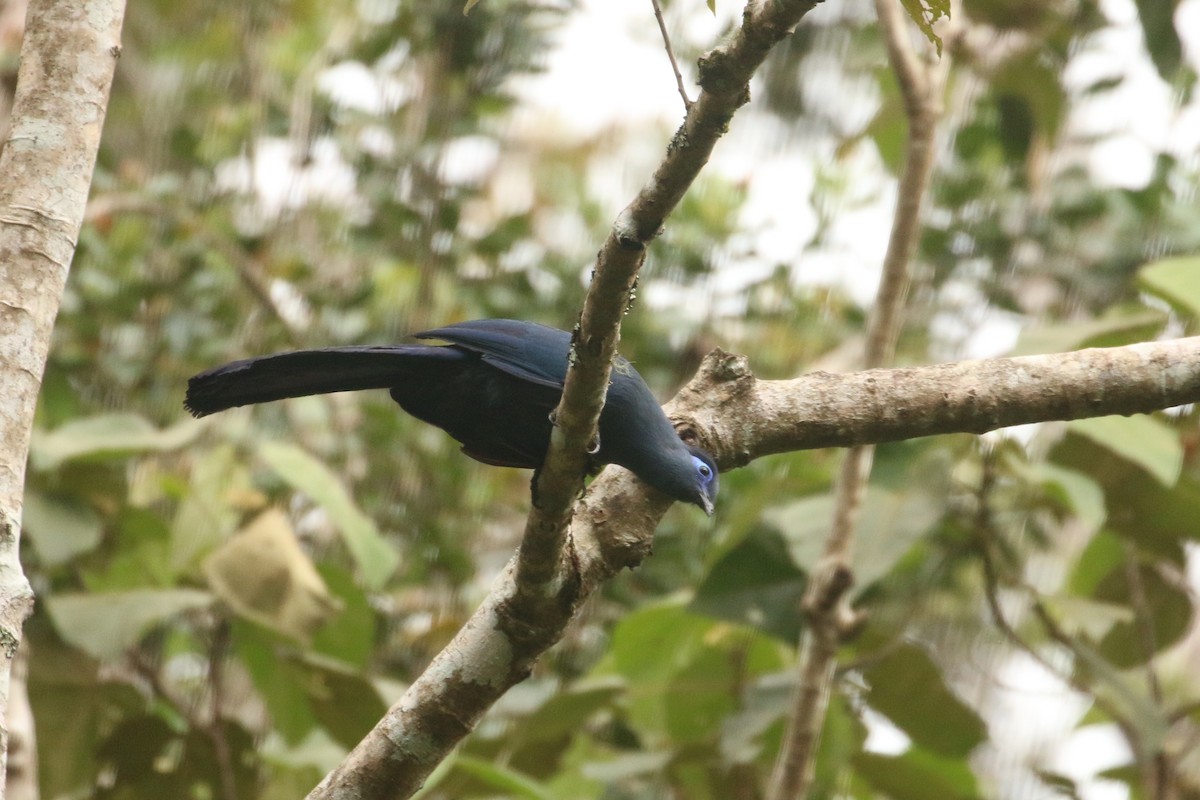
540 591
724 80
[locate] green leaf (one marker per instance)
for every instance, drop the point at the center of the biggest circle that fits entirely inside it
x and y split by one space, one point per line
842 737
1103 553
940 722
566 712
375 558
654 641
924 14
917 775
1158 519
143 740
317 752
646 648
764 702
678 668
1126 694
74 708
496 776
1091 618
59 528
1110 330
700 696
1030 100
1168 611
1077 491
280 682
1062 785
350 637
205 516
627 766
1141 440
890 522
755 584
288 782
1162 40
888 129
141 558
106 625
106 436
344 702
1176 280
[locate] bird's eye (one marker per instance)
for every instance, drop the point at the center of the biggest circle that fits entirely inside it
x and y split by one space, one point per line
705 470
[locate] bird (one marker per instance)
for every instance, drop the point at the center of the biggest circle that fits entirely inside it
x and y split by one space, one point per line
493 386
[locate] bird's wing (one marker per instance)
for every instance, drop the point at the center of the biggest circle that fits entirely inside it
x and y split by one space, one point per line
526 350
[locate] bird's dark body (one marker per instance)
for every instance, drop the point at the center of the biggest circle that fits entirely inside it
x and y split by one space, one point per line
493 388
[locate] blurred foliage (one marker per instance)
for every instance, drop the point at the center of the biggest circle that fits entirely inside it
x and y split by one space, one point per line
226 606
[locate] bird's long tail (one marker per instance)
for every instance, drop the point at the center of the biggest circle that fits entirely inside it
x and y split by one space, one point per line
305 372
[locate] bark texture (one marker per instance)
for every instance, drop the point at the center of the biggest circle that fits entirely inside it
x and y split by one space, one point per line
68 58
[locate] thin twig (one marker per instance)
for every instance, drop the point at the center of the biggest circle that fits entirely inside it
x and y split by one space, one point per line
986 536
217 653
829 616
1055 633
207 723
914 80
1143 619
662 27
1158 773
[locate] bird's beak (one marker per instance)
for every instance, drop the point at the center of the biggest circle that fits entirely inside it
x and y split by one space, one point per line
707 505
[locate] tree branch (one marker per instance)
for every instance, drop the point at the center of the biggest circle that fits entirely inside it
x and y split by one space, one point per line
541 589
22 772
724 80
829 616
68 57
666 37
739 419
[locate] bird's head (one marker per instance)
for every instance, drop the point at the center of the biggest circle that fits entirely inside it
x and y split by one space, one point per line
705 480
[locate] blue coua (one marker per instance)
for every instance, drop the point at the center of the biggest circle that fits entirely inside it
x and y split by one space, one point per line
492 388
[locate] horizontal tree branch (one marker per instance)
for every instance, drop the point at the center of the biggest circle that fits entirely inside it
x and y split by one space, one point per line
740 418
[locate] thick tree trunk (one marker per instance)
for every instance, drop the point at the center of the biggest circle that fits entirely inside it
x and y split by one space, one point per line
68 57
